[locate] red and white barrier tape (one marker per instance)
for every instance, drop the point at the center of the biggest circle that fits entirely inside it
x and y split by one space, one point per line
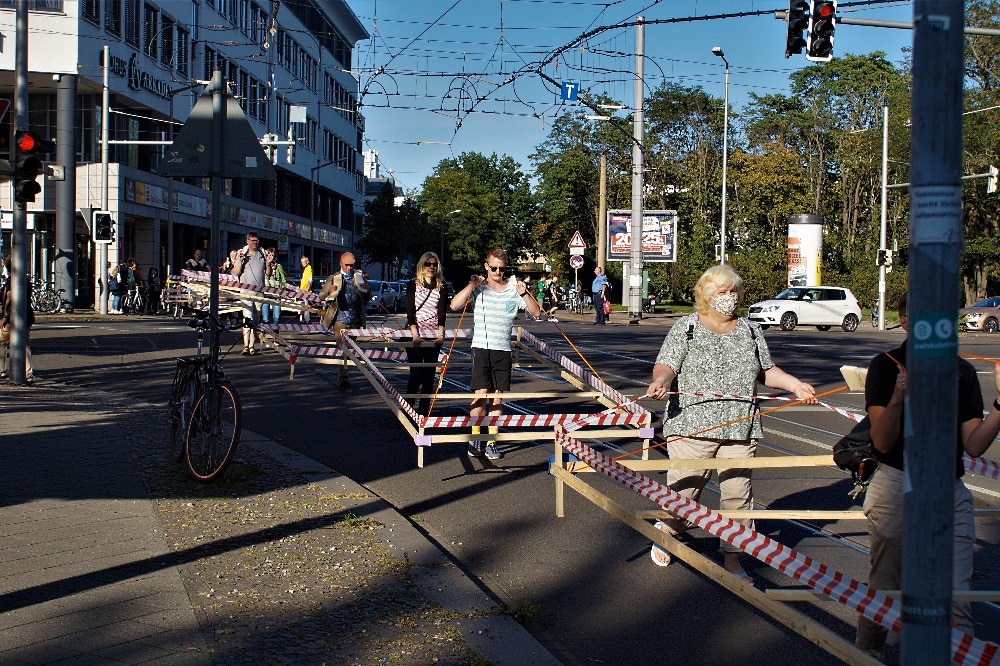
403 404
534 420
293 293
829 582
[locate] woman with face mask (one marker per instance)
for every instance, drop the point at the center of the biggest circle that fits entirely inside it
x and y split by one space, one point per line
713 351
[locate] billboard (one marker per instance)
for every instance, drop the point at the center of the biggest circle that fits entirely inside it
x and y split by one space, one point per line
805 250
659 235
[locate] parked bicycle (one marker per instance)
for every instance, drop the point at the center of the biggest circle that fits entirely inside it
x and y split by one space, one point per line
44 298
134 301
875 315
205 411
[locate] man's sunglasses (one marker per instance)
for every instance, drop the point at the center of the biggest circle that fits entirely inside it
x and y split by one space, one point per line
348 265
496 269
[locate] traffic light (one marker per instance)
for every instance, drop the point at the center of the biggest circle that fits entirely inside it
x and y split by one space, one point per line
991 183
880 258
290 155
822 23
104 227
797 19
270 149
28 166
888 261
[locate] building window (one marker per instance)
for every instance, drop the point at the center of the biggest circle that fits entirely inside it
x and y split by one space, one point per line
167 38
151 31
92 11
113 17
133 22
183 52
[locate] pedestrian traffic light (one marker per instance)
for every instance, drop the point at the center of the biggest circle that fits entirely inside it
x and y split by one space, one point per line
28 166
104 227
290 155
797 19
822 23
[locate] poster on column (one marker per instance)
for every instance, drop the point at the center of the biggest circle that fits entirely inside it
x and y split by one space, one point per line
805 250
659 235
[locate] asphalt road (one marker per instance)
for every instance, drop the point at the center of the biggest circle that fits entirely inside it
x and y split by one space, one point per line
598 597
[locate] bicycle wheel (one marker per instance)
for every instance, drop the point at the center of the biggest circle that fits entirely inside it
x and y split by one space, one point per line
213 431
182 396
49 302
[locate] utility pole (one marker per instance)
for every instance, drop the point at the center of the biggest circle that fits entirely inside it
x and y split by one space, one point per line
883 216
17 365
634 283
932 346
602 215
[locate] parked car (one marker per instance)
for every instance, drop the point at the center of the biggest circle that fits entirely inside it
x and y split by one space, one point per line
984 315
821 307
384 297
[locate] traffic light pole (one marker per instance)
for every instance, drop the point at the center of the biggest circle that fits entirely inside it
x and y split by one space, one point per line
18 345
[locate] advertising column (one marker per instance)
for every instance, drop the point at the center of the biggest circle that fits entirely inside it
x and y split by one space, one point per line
805 250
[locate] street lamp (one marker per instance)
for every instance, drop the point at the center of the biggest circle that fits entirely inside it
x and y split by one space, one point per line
444 219
725 156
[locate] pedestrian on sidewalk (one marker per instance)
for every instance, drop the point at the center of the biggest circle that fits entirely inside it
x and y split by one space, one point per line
306 284
497 301
426 314
275 278
598 289
250 266
345 294
713 351
885 402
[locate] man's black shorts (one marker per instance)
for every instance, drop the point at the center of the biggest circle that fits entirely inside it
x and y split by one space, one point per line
490 369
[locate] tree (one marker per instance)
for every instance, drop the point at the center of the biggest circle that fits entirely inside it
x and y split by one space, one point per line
496 203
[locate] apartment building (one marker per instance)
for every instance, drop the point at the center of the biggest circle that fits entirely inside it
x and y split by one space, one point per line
289 65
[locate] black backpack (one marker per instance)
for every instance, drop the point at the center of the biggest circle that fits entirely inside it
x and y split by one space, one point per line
855 453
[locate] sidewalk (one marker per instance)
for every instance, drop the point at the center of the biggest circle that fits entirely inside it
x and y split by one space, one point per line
110 554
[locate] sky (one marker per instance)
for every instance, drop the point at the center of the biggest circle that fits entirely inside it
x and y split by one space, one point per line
443 77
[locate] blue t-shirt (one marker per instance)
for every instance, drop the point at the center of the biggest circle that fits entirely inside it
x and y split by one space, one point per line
598 283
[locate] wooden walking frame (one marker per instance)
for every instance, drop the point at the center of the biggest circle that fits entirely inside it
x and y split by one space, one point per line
570 459
620 416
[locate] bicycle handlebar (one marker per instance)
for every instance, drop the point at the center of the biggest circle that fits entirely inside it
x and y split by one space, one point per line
204 320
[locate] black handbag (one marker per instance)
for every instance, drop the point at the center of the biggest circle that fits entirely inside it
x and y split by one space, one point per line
855 452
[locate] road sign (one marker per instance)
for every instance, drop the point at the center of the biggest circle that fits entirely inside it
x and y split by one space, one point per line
577 241
576 261
569 90
191 153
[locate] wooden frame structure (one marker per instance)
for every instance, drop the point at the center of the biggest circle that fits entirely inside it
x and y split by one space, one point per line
621 417
819 580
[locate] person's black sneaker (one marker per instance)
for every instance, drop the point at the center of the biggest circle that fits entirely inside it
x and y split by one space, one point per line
475 449
492 453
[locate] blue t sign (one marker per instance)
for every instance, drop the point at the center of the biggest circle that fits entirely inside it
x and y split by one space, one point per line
569 90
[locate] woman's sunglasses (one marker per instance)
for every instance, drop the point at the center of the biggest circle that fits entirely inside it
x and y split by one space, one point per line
430 264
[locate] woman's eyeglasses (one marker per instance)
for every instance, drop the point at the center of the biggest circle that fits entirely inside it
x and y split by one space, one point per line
496 269
430 264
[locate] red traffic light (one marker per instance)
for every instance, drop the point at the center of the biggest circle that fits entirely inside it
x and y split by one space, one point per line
824 10
27 142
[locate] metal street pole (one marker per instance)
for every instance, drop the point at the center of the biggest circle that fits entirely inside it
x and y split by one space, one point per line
19 294
602 215
884 212
932 346
725 156
101 272
170 181
634 283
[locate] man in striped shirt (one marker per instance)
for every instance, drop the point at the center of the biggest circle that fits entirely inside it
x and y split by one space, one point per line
497 301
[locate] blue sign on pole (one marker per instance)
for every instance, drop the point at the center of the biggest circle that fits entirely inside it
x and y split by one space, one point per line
569 90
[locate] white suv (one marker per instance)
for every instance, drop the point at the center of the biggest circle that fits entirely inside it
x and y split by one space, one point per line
821 307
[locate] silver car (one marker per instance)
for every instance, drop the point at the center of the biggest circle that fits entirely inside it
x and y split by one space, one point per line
984 316
822 307
384 297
